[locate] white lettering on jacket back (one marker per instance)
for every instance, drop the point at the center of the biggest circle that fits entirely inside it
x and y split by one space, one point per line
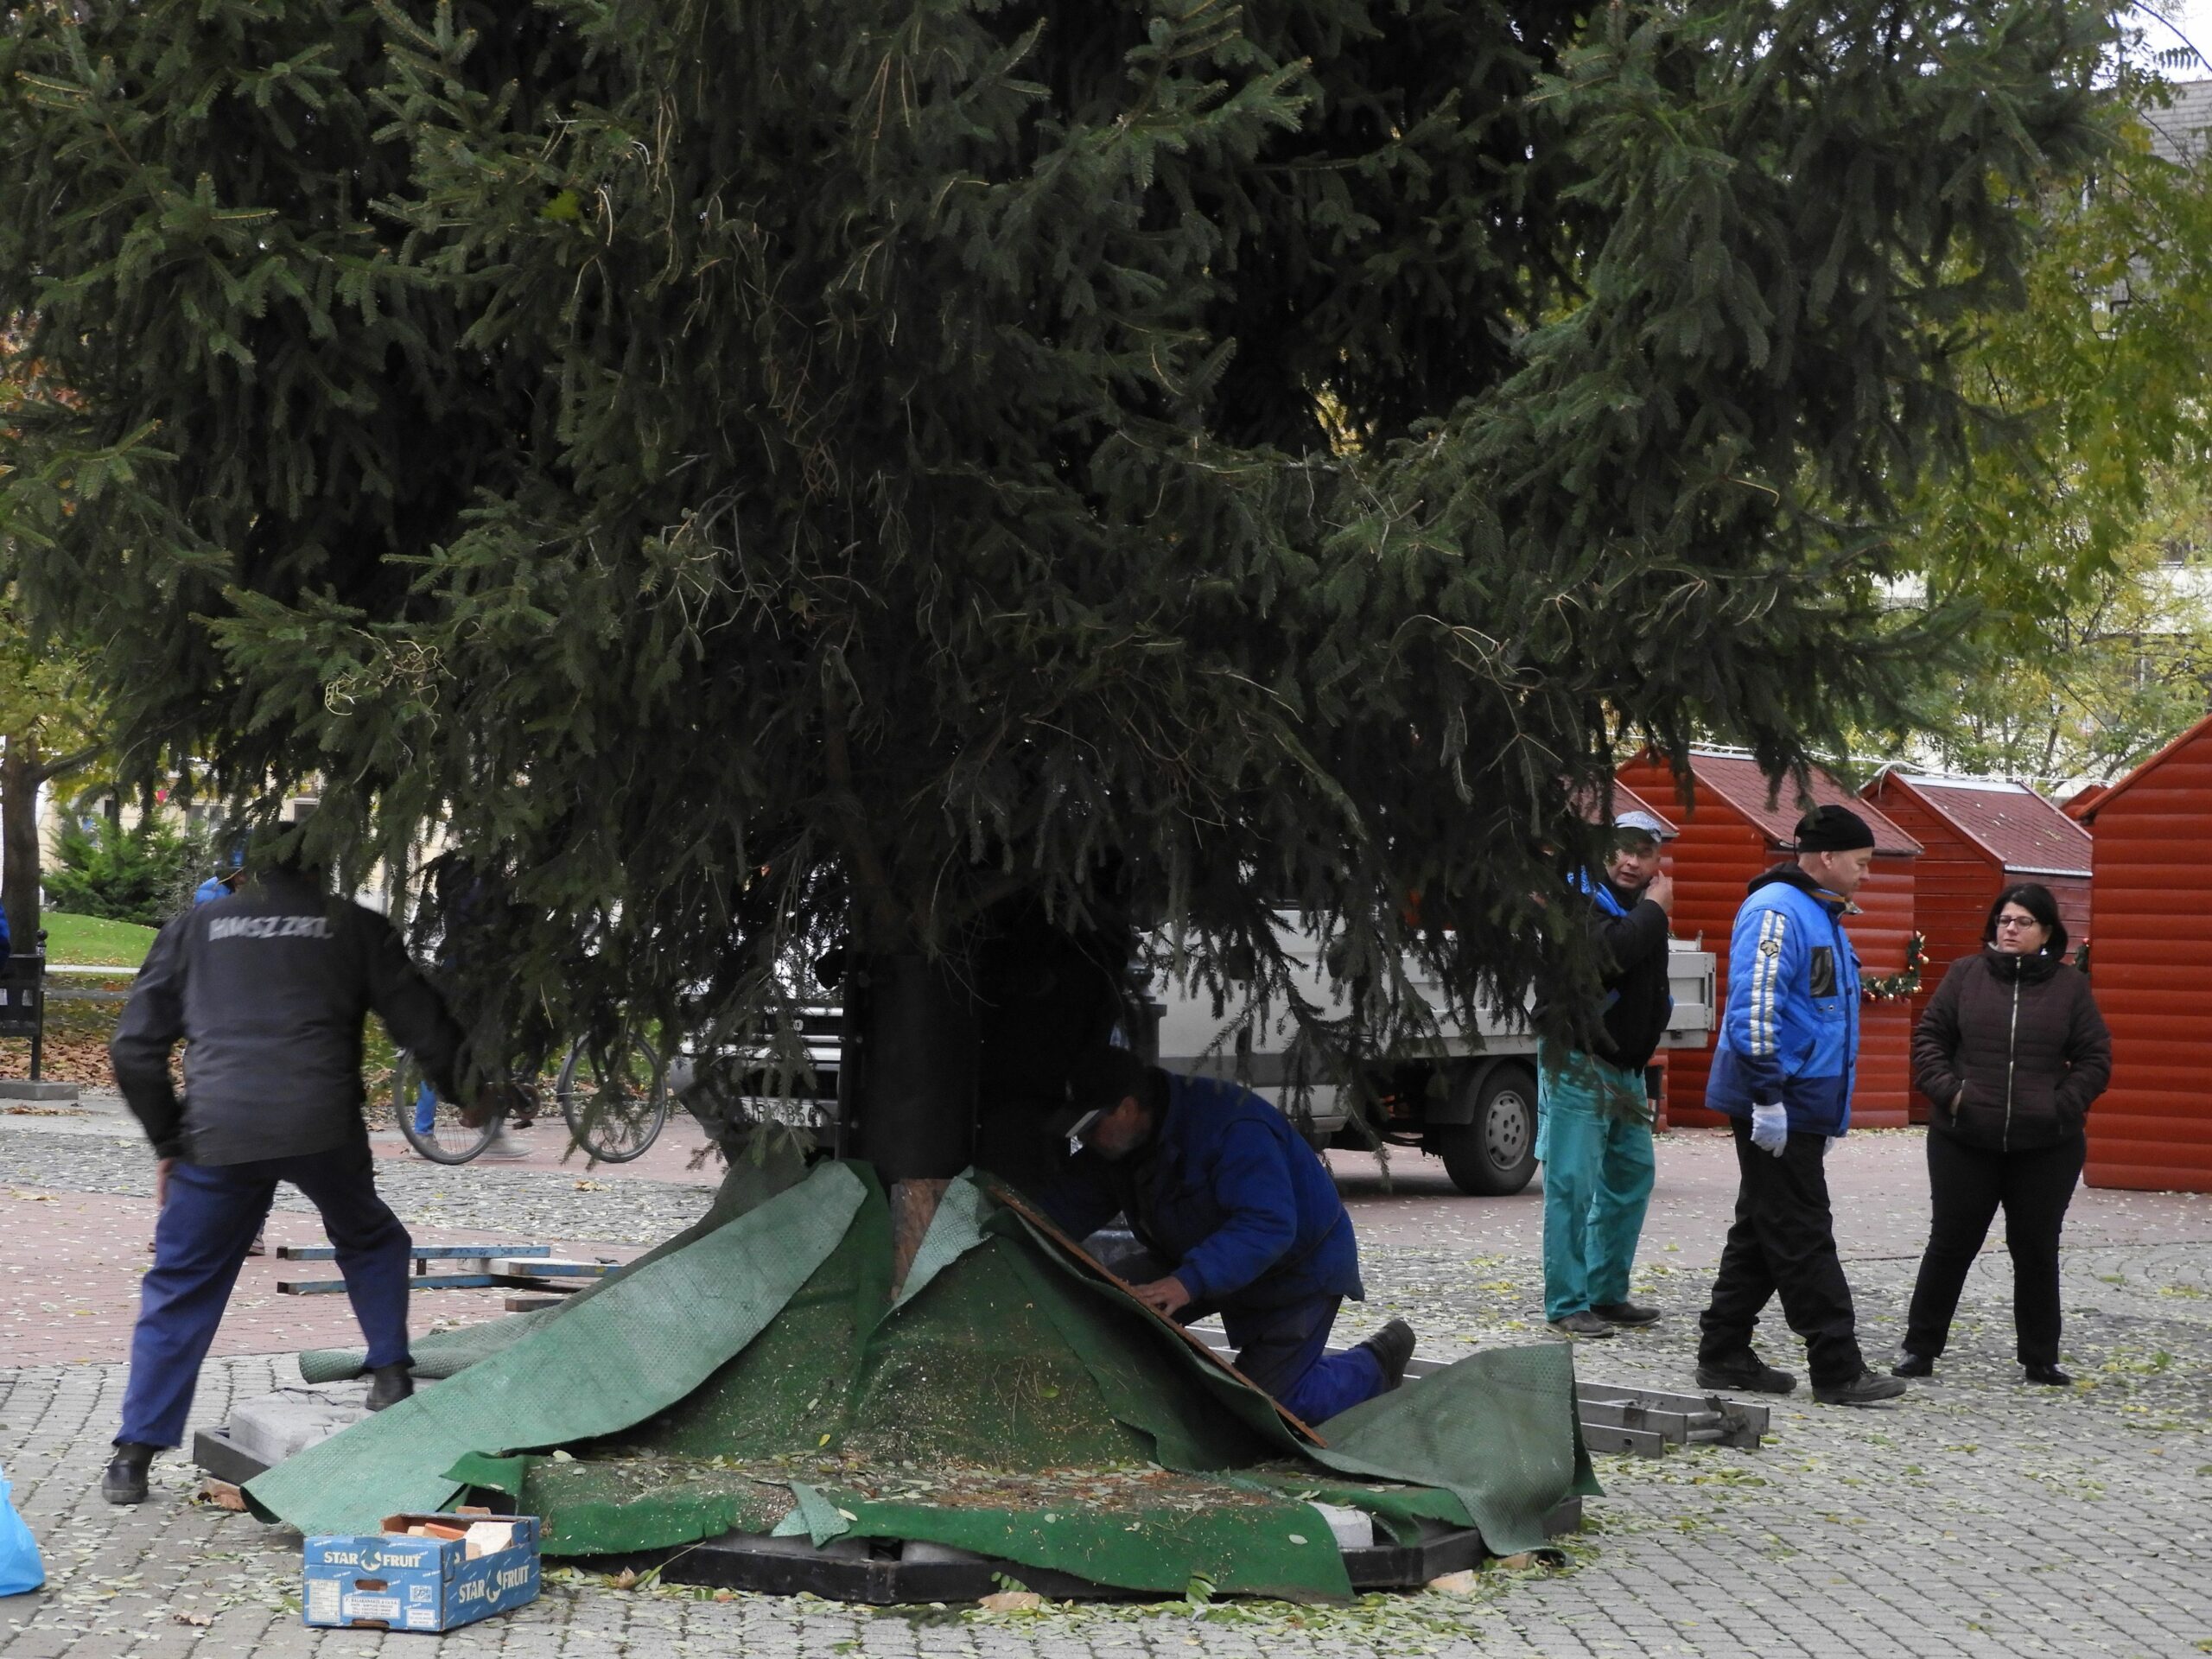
268 927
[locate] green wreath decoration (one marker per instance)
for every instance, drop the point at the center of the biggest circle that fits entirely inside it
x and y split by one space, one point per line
1892 988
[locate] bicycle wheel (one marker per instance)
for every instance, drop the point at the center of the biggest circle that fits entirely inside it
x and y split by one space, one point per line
614 1097
433 1127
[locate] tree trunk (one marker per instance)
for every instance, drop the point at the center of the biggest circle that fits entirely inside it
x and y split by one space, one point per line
907 1086
909 1068
20 777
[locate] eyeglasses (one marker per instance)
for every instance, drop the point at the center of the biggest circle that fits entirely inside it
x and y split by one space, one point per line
2017 921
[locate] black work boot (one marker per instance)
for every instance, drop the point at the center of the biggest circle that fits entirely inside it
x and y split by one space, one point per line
1392 1346
1748 1374
125 1479
389 1384
1865 1389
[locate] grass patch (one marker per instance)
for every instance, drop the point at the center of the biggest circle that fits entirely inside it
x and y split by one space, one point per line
93 941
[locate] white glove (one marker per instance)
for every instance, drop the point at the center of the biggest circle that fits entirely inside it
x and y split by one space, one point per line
1770 1128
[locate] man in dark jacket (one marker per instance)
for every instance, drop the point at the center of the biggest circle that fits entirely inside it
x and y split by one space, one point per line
1782 1072
270 987
1236 1215
1595 1141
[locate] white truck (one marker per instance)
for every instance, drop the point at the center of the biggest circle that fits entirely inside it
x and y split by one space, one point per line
1471 1098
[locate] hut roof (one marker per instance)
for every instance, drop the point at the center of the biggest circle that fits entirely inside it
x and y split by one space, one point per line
2089 812
1737 780
2020 828
1625 800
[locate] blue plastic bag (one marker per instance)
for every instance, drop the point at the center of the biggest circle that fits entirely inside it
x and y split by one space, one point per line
21 1570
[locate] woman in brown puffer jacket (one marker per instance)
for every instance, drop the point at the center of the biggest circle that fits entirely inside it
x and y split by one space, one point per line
2012 1050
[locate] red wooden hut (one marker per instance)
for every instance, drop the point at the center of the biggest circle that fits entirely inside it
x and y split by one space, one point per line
1978 834
2153 974
1732 830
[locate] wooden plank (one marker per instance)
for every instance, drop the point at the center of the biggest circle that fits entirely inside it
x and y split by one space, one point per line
420 1252
419 1281
544 1267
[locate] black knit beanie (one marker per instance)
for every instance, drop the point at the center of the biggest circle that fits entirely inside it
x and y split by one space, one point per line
1833 829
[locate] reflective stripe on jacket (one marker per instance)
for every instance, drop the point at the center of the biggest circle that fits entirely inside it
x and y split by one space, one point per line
1789 1032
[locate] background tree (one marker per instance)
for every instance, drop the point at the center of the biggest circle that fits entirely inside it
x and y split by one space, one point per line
51 728
52 721
2119 663
975 479
2074 526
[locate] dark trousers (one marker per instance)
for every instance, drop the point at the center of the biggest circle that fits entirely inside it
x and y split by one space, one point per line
1282 1351
1783 1241
1968 1184
211 1216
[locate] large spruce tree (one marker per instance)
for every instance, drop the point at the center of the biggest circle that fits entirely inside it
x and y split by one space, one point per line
971 479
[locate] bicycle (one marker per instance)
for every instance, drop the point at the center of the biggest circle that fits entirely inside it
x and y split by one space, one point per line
446 1132
614 1099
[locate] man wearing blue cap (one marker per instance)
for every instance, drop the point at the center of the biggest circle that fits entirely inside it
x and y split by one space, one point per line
1595 1137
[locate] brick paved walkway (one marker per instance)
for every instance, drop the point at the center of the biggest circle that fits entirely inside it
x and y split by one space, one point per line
1979 1518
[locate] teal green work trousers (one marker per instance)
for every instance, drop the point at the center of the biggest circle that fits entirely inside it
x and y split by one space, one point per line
1598 1176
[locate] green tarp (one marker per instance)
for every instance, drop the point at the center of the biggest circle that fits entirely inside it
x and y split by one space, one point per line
448 1353
605 1364
759 1376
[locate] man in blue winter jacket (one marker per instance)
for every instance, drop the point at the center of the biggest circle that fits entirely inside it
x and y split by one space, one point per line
1234 1214
1783 1072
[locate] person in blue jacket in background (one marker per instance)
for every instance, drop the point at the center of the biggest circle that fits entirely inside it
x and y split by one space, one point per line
222 883
1595 1138
1782 1072
1234 1215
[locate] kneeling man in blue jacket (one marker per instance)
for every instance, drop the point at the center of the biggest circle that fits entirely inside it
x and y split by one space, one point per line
1234 1214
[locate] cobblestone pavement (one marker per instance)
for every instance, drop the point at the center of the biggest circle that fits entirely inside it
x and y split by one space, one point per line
1980 1517
519 1202
74 1300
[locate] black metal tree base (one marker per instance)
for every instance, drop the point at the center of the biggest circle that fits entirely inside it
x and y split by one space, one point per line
886 1572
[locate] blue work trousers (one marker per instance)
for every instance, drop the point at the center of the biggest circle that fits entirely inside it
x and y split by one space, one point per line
1281 1349
1599 1170
212 1213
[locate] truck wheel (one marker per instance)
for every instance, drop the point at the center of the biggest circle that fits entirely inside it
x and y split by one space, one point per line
1496 1153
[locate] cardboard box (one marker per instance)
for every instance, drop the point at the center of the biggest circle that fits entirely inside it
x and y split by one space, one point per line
389 1581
